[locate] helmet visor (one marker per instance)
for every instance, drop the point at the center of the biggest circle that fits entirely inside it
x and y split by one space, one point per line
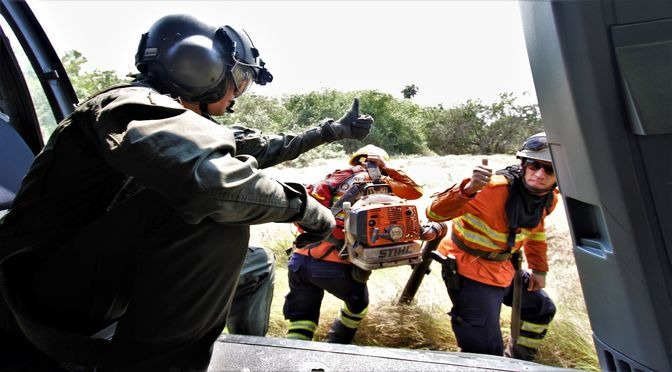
243 77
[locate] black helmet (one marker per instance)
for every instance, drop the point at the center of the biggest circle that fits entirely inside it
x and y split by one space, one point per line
195 61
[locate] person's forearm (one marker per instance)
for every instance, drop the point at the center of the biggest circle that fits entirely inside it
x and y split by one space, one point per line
448 204
270 150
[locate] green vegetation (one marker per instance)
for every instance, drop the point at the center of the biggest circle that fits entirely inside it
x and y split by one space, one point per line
403 128
87 83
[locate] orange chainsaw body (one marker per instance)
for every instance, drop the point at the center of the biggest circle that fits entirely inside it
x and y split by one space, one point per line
382 230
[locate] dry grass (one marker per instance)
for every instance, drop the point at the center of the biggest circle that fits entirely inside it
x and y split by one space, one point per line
424 324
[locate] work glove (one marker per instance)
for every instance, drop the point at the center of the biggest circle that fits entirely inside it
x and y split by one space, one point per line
315 220
351 125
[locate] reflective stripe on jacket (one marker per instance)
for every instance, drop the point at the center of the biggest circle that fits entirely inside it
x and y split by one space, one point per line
480 222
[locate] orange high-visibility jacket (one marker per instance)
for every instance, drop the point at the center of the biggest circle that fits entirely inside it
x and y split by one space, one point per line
335 185
480 222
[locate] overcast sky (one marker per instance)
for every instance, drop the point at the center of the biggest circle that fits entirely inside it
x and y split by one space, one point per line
451 50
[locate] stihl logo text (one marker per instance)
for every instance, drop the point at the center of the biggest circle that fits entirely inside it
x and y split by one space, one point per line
394 252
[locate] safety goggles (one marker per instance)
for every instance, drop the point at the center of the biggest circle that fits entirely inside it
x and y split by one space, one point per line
243 77
535 144
536 165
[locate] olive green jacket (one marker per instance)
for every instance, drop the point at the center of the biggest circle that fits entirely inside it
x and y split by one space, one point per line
203 169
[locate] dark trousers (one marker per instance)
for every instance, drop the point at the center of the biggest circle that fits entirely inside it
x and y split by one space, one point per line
309 278
476 311
169 284
251 307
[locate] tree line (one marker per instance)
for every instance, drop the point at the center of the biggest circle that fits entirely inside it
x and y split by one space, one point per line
401 126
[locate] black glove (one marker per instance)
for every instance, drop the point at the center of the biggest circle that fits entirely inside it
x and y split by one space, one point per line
315 220
351 125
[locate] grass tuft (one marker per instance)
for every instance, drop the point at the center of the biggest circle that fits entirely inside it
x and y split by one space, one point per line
408 327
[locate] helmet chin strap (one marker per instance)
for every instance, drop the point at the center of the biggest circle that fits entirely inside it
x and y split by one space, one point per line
203 107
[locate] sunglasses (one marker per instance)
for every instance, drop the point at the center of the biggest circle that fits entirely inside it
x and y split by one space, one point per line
536 165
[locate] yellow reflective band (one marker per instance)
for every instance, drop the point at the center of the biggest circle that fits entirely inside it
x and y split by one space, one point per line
483 227
532 327
474 237
297 336
486 241
307 325
522 235
349 313
497 236
435 216
540 235
532 343
491 234
350 323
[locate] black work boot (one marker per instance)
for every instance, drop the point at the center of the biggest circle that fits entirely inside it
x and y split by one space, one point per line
340 334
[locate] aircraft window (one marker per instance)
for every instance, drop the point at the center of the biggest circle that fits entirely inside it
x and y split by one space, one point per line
43 111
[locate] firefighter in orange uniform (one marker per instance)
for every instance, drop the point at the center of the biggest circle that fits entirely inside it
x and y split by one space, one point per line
317 268
494 216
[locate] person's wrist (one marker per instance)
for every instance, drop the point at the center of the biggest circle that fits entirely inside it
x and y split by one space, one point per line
466 191
298 200
328 130
312 138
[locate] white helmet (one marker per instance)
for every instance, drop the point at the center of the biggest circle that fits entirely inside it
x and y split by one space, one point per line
369 150
535 147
